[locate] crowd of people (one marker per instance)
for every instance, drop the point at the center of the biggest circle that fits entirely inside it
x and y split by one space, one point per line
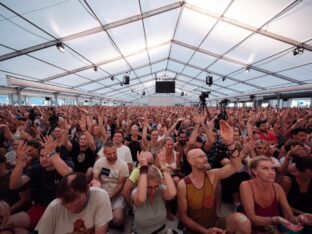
86 169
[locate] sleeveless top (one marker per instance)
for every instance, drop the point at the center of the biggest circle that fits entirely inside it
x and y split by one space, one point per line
201 203
270 211
174 163
298 200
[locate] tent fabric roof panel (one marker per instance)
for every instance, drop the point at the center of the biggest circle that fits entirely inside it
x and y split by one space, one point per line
295 21
246 10
161 27
224 37
187 33
176 39
22 65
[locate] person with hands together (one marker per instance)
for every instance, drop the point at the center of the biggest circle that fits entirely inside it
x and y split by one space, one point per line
150 196
264 201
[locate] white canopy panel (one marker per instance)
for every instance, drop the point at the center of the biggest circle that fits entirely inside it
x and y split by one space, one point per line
185 41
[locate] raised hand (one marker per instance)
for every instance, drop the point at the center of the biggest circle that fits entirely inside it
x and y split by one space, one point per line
162 158
83 123
226 132
199 119
249 146
67 125
49 144
142 158
21 153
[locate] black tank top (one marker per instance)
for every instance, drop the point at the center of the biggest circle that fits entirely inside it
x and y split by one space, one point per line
298 200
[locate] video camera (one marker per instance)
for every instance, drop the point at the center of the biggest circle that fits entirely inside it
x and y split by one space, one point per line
222 114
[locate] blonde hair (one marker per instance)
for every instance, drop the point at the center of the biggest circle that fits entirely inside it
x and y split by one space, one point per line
153 173
254 162
261 142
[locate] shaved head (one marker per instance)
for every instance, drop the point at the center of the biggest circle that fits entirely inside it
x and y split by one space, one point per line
193 153
198 160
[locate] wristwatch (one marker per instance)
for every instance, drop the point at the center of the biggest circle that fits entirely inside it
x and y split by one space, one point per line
51 154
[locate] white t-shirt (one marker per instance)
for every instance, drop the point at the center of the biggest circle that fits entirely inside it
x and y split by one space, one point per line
123 152
59 220
109 174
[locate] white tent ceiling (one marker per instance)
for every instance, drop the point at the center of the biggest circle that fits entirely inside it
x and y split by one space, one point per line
184 40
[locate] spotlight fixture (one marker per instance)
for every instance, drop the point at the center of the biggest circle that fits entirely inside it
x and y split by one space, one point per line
121 84
182 94
60 46
95 68
143 93
247 69
298 50
223 78
209 79
112 78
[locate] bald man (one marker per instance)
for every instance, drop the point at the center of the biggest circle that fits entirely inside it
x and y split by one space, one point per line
133 179
196 192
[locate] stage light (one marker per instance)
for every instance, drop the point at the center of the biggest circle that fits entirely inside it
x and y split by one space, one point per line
182 94
95 68
112 78
223 78
298 50
60 47
247 69
143 93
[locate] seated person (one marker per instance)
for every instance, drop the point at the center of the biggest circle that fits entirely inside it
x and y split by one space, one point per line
298 187
16 198
112 173
77 209
263 200
43 177
133 179
150 196
197 191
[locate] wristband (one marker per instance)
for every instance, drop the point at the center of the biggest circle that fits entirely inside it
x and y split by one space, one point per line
51 154
143 169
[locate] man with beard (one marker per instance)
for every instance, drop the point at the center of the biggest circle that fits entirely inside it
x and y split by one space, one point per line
180 147
263 133
83 154
112 173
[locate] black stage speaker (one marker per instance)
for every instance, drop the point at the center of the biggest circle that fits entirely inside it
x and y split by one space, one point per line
126 80
165 87
209 80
